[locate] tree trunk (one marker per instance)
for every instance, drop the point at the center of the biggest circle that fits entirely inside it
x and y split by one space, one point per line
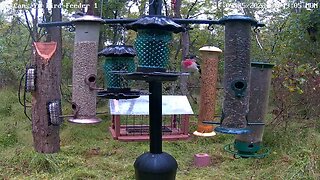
45 135
184 44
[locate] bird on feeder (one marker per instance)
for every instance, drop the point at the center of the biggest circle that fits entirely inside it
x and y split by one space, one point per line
190 64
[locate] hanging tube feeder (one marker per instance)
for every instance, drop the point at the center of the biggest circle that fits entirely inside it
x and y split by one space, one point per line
236 74
118 58
209 73
250 145
85 70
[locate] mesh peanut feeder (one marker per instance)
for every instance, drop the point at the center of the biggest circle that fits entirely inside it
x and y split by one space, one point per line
152 42
236 74
209 73
85 70
118 59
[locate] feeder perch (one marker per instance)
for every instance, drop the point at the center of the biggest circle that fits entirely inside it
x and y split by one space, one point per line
55 112
209 74
152 42
130 118
30 83
118 58
251 144
236 74
85 69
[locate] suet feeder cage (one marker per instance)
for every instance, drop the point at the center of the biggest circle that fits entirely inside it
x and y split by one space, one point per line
55 112
152 42
250 145
85 69
236 74
30 82
130 118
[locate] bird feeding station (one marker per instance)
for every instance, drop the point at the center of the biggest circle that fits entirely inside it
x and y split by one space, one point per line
130 118
85 70
154 35
250 145
236 74
118 58
209 69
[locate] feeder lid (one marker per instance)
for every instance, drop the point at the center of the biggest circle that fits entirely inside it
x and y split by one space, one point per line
240 18
262 64
118 50
88 18
210 49
155 22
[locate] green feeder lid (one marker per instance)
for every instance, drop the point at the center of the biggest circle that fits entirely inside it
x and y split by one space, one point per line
155 22
118 51
262 64
239 18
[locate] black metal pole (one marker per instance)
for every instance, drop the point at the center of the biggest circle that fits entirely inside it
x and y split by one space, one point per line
155 109
155 7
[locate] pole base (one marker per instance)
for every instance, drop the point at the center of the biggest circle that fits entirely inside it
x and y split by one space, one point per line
206 134
94 120
149 166
262 153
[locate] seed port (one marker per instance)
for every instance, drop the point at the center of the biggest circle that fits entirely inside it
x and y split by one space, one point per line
92 79
239 85
74 106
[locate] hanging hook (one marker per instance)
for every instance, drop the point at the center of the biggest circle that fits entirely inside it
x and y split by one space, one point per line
257 31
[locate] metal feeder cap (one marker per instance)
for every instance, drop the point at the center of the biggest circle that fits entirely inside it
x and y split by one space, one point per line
118 51
88 18
233 18
210 49
156 22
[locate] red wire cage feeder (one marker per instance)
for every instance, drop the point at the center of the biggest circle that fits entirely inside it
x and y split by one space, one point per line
130 121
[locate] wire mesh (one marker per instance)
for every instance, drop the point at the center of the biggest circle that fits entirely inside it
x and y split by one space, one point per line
152 48
118 64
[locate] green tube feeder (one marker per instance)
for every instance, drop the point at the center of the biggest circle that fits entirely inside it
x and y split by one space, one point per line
250 145
118 58
152 42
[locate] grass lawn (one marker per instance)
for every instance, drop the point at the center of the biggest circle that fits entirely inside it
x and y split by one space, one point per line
89 152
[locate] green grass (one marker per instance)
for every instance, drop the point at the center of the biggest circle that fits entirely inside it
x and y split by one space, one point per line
89 152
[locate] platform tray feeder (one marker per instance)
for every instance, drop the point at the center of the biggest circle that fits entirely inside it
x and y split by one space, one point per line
118 58
154 34
130 118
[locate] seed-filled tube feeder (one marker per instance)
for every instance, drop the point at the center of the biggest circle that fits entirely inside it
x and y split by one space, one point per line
152 46
118 59
236 74
247 145
154 34
209 74
85 69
